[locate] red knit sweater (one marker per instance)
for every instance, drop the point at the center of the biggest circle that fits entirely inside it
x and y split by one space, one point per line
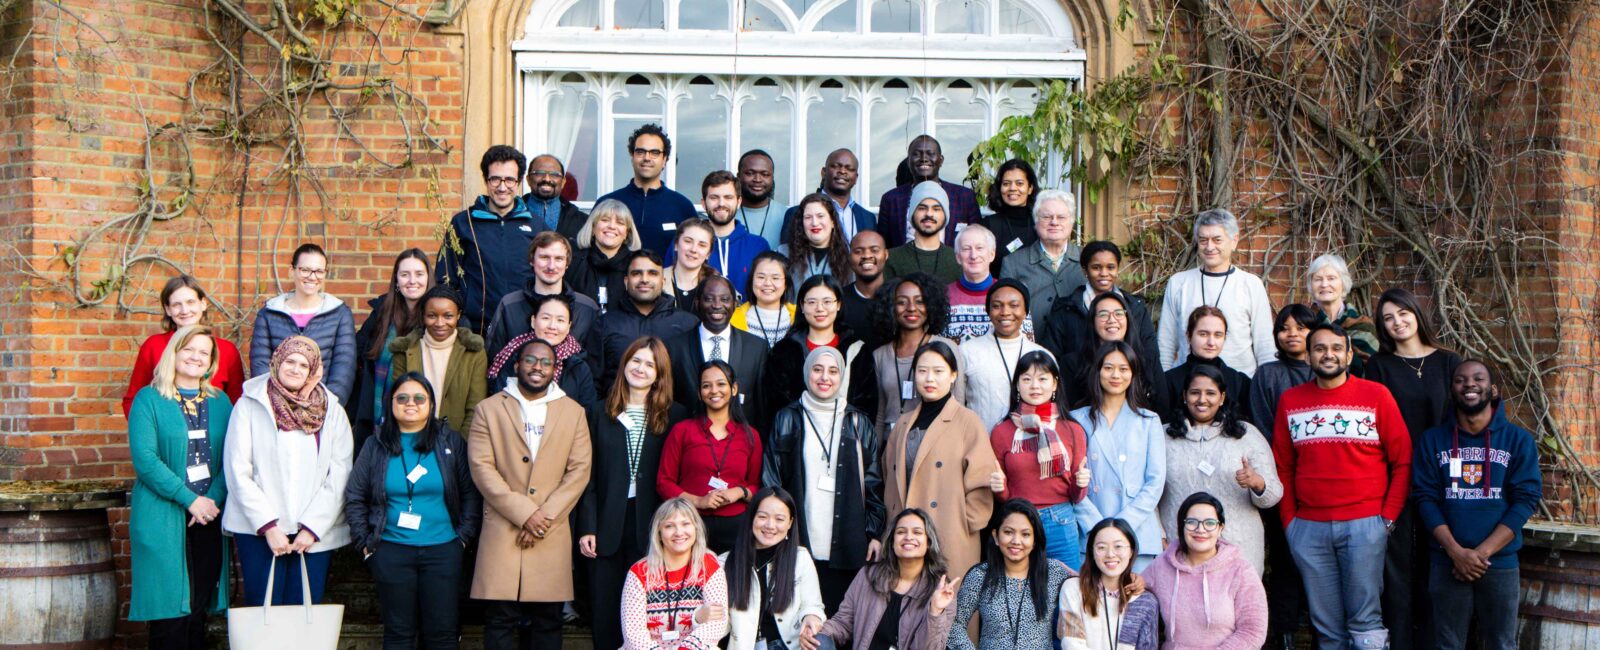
1342 454
690 457
229 377
1022 470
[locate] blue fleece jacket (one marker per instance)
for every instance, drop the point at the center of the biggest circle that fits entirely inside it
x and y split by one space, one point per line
741 247
1504 490
656 213
492 260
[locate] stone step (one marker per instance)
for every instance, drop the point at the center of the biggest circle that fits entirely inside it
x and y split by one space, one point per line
369 636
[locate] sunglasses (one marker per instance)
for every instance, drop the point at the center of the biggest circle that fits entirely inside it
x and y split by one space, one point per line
413 398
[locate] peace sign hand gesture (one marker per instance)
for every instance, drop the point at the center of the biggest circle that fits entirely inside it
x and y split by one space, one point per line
943 595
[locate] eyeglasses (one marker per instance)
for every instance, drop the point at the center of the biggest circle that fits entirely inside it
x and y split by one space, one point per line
1108 314
1207 525
648 153
820 302
501 180
540 362
545 175
311 273
412 398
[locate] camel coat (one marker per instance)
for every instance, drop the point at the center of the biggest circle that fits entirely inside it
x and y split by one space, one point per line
950 480
513 488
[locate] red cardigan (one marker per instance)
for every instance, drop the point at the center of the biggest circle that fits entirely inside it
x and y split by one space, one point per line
229 377
1022 470
689 458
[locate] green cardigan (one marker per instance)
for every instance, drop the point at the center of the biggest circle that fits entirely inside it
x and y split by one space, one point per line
158 439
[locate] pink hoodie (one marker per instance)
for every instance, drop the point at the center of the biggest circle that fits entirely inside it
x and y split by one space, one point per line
1220 604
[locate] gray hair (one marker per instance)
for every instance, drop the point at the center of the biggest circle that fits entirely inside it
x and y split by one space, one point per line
1336 263
1217 217
978 230
1061 196
610 208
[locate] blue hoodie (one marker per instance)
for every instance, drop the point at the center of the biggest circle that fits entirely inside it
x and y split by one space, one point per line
1475 503
742 248
492 260
656 213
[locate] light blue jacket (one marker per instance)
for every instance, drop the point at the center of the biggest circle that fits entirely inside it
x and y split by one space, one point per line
1128 464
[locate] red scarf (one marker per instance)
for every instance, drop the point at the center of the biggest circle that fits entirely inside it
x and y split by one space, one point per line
1041 422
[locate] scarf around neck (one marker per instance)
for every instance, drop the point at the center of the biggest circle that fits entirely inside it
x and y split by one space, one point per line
1039 423
303 409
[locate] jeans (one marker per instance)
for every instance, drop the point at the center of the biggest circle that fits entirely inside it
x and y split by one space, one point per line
1341 563
417 587
255 558
1061 534
1491 601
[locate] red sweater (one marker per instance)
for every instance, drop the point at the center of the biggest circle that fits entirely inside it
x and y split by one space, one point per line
229 377
1022 470
1342 454
690 457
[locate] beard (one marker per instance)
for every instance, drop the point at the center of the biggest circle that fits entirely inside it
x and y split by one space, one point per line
1330 374
523 382
1473 409
757 198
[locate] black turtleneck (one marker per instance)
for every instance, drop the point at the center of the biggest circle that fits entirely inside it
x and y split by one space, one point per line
1011 225
929 412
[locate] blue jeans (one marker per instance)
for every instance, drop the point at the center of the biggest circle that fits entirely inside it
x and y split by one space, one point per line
1341 563
255 558
1490 600
1061 534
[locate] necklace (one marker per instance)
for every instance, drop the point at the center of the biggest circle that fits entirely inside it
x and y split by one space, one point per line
1417 368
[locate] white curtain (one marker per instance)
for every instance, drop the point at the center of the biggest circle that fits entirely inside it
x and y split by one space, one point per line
566 118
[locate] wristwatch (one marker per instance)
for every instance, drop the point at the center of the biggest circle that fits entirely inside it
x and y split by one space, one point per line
1389 524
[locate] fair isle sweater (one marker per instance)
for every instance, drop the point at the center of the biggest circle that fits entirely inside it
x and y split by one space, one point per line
1007 612
649 607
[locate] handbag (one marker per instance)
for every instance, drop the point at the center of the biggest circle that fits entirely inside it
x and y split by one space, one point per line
307 627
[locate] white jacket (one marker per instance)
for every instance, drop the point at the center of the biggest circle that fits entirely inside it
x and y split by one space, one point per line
257 478
988 377
745 620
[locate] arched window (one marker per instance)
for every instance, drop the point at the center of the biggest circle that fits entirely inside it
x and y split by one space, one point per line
797 78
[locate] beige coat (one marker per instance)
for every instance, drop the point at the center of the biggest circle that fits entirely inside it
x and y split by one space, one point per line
513 489
950 480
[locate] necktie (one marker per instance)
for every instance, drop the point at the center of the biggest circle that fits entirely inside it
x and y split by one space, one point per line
716 348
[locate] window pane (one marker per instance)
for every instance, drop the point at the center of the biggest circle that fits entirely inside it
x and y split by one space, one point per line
830 124
641 14
640 107
764 123
897 16
961 17
761 18
1016 17
895 121
959 126
841 19
1024 96
703 14
584 13
702 121
800 7
573 133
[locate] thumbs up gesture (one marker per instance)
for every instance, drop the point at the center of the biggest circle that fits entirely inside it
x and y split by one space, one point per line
1082 476
997 481
1247 476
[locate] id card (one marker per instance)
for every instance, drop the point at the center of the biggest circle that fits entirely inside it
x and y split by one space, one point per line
905 389
669 635
409 521
1205 467
717 483
1014 245
669 227
199 472
417 473
1455 468
602 295
826 484
197 434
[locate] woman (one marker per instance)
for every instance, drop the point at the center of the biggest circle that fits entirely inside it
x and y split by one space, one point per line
1212 450
1096 612
1112 318
413 533
180 563
819 297
677 596
1210 595
814 244
938 457
1207 329
1127 458
1041 455
686 266
1328 281
552 323
627 432
772 583
990 360
452 359
1289 331
767 312
183 304
601 262
1014 590
825 452
309 312
904 600
288 459
909 315
713 460
1070 326
394 314
1011 197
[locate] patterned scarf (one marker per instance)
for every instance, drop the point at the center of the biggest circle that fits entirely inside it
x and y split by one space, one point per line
565 349
1040 421
303 409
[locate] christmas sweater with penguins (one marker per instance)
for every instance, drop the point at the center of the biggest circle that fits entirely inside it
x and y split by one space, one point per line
1343 453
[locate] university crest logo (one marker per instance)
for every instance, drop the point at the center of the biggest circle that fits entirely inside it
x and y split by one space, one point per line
1472 474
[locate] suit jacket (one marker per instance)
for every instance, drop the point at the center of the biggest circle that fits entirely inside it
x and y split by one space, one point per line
605 501
514 488
746 352
950 479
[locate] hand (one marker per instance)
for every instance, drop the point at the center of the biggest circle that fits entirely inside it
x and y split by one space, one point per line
1083 475
874 549
303 541
943 595
712 501
202 511
1134 588
525 539
1467 564
366 554
1247 476
732 495
808 632
586 546
277 541
538 524
997 482
709 612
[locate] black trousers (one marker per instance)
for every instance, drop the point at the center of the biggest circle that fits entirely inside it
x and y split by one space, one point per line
721 532
1285 590
541 623
608 574
203 547
833 583
417 588
1405 584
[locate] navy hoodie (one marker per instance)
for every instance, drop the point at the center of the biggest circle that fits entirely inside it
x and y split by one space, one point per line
656 213
492 260
1472 505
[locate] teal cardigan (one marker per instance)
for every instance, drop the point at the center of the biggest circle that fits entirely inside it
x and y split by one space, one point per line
158 439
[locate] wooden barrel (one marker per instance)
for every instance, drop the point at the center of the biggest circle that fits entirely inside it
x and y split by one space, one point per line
1560 591
58 583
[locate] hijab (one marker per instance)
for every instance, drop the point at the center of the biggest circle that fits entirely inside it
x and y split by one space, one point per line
816 411
303 409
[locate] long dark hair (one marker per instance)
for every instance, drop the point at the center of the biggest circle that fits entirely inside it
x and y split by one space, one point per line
883 574
1036 360
1089 583
394 312
742 558
935 300
799 322
432 433
998 204
994 561
1097 395
1299 313
1227 414
1195 499
800 249
735 409
1408 301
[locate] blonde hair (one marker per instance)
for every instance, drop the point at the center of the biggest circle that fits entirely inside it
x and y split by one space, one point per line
656 559
614 209
166 374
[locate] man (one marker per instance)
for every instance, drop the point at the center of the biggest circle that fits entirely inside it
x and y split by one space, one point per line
1475 483
655 207
529 454
839 173
1070 327
1240 295
1344 456
714 339
928 252
1049 268
482 254
925 158
969 313
868 257
549 255
735 247
645 311
760 213
547 177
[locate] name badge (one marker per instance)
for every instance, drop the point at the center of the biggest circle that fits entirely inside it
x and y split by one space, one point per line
905 389
1014 245
717 483
741 399
199 472
960 227
1455 468
409 521
197 434
669 635
1205 468
419 471
669 227
826 484
526 228
602 295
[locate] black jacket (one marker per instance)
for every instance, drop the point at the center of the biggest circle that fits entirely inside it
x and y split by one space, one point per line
365 391
620 326
592 271
366 503
568 223
1238 386
786 376
605 501
514 316
1078 371
1010 225
857 516
746 352
1070 328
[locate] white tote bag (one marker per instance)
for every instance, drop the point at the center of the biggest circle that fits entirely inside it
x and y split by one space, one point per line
302 627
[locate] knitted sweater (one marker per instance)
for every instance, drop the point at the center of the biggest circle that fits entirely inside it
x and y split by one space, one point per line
969 316
990 366
1007 613
1240 295
1204 460
648 607
1219 605
1130 626
1342 453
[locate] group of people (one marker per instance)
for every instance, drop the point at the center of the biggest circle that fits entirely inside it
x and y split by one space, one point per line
816 426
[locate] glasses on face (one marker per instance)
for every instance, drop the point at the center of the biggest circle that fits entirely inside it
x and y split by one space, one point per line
648 153
311 273
500 180
410 398
539 362
826 303
1207 525
1054 217
1108 314
535 175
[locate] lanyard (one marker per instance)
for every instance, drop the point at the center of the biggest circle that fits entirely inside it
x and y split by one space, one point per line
1010 379
722 254
900 380
1113 630
755 310
1225 278
677 597
1488 450
1014 614
711 442
411 486
766 215
833 430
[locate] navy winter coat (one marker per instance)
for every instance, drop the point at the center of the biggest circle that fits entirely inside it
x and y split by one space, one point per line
333 328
